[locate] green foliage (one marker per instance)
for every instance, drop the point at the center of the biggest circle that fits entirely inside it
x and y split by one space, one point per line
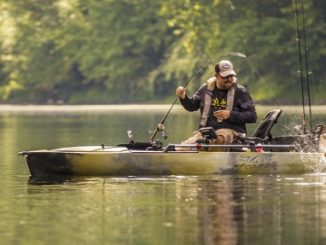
87 51
264 30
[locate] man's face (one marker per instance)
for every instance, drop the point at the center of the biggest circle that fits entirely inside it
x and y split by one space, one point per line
225 82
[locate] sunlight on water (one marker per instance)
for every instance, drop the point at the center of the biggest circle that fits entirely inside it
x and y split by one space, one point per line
310 184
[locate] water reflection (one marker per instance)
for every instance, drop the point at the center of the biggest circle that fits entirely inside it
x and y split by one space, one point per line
49 179
181 210
216 211
147 210
261 210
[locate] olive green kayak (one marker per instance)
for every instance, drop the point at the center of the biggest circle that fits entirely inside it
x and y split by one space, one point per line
115 160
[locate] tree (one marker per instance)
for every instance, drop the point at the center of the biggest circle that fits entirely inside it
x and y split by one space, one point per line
87 51
104 50
263 30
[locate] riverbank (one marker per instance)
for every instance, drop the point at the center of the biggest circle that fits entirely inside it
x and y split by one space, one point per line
132 107
81 108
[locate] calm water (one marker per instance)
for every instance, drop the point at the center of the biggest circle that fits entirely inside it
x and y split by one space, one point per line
222 209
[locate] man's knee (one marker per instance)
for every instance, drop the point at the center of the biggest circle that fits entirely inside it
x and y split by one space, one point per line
225 136
194 138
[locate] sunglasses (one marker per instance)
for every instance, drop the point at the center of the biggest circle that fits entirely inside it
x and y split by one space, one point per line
228 77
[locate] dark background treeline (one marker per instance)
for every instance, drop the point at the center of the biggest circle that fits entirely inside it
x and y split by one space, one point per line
138 51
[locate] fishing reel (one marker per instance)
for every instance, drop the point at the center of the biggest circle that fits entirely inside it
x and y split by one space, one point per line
161 128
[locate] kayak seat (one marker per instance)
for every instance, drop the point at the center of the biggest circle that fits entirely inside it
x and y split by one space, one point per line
264 128
263 131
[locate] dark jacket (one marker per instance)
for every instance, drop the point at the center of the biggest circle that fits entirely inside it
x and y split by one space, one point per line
243 108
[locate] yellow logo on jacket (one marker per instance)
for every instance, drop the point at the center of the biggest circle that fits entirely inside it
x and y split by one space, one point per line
218 104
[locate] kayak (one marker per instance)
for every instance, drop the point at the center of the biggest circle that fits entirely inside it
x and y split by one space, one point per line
259 154
96 160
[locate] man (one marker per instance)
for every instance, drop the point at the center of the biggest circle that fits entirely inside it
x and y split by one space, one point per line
224 105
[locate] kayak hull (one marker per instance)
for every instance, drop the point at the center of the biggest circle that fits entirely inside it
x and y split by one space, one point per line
96 161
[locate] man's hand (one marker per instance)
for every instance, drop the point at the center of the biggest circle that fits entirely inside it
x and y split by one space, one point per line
181 92
222 114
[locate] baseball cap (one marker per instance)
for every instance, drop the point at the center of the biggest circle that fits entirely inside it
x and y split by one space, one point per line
225 68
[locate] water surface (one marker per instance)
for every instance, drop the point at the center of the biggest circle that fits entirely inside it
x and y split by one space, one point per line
218 209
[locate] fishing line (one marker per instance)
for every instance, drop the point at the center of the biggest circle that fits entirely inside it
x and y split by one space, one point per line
199 71
270 90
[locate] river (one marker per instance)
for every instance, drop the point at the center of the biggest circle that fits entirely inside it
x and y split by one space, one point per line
218 209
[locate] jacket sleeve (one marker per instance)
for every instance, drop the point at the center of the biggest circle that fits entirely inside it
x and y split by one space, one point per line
246 112
193 103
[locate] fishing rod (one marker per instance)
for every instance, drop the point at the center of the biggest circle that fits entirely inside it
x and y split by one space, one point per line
300 65
160 126
306 62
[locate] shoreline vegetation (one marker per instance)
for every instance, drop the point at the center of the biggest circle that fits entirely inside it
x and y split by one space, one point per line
133 107
132 52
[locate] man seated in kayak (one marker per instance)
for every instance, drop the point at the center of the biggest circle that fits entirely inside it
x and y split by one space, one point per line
224 105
